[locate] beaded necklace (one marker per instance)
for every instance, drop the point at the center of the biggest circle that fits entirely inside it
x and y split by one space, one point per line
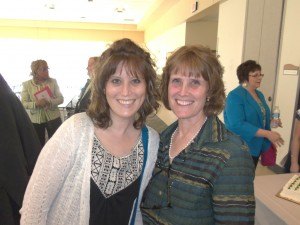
188 143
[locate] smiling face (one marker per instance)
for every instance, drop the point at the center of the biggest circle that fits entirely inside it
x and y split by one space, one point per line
187 96
125 93
42 72
255 78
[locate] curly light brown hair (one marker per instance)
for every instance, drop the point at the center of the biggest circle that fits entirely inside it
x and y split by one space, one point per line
138 63
197 61
35 65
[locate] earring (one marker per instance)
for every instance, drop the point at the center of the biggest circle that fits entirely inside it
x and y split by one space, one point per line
207 99
245 84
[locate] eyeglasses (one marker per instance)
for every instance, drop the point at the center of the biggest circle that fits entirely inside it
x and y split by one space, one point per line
167 204
44 69
256 75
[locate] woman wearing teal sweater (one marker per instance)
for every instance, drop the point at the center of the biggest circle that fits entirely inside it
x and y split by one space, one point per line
43 111
247 113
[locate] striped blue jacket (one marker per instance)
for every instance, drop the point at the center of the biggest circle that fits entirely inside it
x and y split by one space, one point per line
210 182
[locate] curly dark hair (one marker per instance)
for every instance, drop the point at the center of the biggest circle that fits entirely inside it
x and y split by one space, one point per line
197 61
138 63
245 68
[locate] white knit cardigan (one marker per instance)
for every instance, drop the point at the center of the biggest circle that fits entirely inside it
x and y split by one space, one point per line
59 189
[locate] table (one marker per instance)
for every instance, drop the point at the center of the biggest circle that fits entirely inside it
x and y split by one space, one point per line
271 209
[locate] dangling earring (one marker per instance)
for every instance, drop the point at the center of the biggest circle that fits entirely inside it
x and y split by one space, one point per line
207 99
245 84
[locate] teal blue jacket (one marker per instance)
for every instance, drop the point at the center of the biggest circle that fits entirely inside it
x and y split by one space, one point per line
210 182
243 116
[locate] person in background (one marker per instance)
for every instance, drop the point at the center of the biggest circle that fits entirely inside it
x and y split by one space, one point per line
295 147
293 161
85 95
42 107
19 149
247 113
204 173
96 166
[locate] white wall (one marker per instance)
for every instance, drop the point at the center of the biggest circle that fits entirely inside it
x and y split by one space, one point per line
286 88
231 38
230 41
166 43
159 48
67 61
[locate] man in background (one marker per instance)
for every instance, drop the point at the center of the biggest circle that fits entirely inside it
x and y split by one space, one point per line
84 98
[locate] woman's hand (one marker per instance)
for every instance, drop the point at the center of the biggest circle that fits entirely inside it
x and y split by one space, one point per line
275 138
42 103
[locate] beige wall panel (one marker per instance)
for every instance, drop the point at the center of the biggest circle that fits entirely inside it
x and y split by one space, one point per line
231 39
270 43
202 32
287 85
253 29
70 34
66 25
177 14
262 38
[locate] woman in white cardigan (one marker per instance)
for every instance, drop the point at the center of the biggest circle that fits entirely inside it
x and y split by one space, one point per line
96 166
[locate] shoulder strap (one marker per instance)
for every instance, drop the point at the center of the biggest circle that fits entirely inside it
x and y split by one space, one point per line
145 138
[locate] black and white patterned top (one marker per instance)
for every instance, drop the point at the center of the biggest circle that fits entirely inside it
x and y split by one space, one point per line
114 184
111 173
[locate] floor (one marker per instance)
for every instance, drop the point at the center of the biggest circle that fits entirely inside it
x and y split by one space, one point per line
263 170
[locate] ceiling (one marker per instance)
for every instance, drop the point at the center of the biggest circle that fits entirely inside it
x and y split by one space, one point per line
97 11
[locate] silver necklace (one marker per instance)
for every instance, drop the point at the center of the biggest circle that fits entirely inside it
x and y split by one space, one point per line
188 143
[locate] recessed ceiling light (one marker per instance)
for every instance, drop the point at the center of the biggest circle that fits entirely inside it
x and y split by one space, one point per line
50 5
120 9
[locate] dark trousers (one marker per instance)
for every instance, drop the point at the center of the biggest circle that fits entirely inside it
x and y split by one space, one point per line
51 126
287 164
255 161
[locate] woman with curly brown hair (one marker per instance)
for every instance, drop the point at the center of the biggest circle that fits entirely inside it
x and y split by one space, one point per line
204 173
95 168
